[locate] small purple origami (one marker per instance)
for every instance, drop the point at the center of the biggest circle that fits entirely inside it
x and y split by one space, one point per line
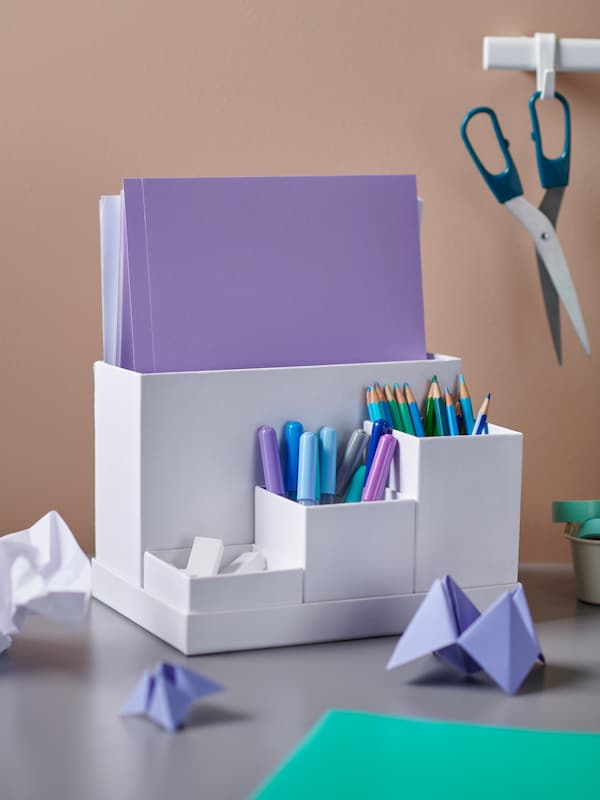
501 642
166 694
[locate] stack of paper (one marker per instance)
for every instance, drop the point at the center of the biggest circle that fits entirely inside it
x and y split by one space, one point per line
226 273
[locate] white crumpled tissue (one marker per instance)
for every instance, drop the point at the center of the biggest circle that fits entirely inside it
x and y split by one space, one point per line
42 571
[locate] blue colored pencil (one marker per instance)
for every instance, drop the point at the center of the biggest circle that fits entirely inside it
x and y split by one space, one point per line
466 405
414 411
480 422
451 413
372 406
384 409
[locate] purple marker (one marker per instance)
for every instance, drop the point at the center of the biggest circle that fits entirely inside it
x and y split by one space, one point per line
380 468
269 453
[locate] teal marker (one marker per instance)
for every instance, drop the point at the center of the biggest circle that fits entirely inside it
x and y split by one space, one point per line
356 485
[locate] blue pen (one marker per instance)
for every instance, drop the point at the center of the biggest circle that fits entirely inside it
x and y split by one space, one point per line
307 469
291 443
481 421
328 463
414 411
379 428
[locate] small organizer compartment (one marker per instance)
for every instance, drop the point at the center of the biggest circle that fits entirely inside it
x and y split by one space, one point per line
346 550
164 578
468 493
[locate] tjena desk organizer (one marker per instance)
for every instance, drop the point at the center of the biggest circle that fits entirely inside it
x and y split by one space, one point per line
176 457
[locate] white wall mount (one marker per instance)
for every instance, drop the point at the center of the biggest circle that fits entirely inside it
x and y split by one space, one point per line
544 54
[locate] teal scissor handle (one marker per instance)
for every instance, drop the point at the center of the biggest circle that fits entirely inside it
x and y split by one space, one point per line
506 184
553 171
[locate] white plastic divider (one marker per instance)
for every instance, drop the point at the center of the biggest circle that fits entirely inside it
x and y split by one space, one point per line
347 550
176 453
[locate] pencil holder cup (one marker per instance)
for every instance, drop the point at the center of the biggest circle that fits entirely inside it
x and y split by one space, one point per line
468 496
347 550
586 564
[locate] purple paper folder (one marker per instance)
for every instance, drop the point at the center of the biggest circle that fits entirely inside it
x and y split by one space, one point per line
226 273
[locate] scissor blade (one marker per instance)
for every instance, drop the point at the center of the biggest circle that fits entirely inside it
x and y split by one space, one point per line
551 202
548 247
551 304
550 206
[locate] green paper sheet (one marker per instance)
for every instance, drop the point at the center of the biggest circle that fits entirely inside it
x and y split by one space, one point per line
352 755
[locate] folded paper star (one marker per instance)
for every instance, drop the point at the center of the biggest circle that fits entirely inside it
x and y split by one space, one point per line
501 642
166 694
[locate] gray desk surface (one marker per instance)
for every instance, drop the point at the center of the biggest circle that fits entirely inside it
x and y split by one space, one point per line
60 693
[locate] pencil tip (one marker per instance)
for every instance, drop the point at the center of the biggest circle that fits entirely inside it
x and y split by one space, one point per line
461 378
489 395
434 379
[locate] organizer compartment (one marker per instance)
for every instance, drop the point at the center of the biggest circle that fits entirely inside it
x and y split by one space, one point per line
176 453
165 580
468 493
348 550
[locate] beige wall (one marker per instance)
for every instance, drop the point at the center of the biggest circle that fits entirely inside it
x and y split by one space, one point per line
93 91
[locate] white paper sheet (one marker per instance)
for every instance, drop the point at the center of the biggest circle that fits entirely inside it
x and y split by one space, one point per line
110 258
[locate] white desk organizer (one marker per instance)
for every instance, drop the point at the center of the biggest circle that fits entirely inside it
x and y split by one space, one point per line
176 457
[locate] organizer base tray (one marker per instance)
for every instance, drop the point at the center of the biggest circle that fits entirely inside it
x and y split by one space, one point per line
278 626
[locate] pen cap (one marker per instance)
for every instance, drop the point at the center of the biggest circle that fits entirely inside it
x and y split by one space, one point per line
380 468
352 457
328 459
307 466
291 439
269 453
379 428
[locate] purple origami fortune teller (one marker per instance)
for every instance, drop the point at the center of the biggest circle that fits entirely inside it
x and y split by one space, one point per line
501 642
166 694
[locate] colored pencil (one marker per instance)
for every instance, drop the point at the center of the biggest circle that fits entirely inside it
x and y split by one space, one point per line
414 411
451 413
466 405
384 410
394 409
440 426
479 426
459 418
429 421
372 405
404 412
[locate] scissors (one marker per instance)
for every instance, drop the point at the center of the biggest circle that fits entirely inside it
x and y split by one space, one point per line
540 223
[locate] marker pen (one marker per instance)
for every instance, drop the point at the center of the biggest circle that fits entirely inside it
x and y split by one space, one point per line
379 428
328 463
380 469
307 469
291 442
269 453
352 457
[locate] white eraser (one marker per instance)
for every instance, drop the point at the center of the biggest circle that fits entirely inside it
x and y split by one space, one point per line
205 558
251 561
